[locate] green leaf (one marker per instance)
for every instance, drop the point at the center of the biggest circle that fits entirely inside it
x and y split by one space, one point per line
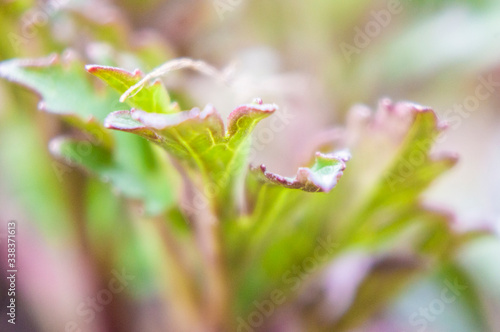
368 208
129 163
198 139
35 186
145 179
322 176
62 85
403 134
152 98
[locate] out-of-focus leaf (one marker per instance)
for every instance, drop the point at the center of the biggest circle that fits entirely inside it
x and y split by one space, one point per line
128 162
27 169
445 300
62 85
386 278
397 139
144 180
376 201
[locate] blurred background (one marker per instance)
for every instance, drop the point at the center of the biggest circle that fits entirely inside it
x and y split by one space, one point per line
315 60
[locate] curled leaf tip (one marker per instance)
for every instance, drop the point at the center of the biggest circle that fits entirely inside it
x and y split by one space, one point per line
321 177
247 115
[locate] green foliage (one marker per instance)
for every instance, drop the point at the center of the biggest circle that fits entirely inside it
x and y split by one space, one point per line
129 163
152 98
198 138
352 241
374 207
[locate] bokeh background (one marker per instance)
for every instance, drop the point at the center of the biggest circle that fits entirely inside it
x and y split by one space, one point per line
316 60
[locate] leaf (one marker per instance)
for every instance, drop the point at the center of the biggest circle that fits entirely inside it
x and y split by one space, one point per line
144 179
186 134
152 98
403 134
373 206
198 138
322 176
128 162
62 86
